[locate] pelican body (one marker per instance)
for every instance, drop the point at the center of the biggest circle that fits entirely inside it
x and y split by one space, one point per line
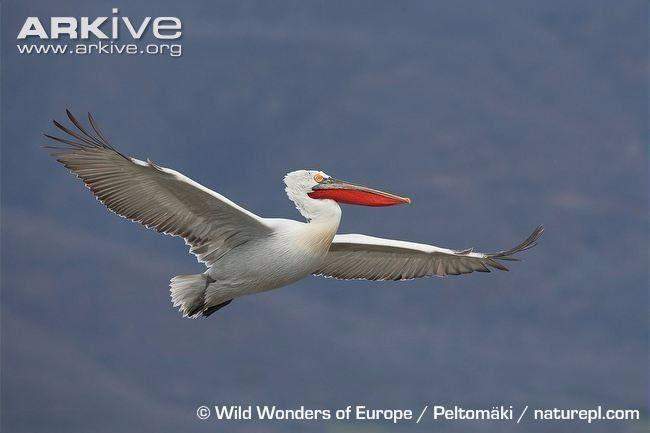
244 253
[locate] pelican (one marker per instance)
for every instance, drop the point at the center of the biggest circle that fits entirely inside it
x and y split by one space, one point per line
242 252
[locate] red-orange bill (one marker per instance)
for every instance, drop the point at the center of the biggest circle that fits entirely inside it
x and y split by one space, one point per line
343 192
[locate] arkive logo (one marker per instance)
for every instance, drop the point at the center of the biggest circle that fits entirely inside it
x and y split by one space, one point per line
83 28
112 35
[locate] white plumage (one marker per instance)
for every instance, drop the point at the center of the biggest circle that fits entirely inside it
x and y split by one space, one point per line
244 253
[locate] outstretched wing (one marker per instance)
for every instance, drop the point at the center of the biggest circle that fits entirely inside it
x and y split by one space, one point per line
360 257
157 197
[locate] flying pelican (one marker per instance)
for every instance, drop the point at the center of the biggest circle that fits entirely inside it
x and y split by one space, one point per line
244 253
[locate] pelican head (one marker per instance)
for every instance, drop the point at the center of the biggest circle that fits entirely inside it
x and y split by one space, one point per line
315 193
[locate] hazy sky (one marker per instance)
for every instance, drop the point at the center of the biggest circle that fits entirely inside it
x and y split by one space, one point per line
493 116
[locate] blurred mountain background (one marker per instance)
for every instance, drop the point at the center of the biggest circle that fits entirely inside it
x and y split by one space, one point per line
493 116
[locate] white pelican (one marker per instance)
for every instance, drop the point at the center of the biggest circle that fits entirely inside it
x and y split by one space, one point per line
244 253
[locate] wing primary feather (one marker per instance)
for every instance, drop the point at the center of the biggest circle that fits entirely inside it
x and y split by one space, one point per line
86 139
93 124
77 146
81 128
527 244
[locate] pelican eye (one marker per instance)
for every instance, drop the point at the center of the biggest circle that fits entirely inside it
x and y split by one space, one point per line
318 177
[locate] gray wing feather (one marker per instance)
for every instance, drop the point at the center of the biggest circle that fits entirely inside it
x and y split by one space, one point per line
368 258
159 198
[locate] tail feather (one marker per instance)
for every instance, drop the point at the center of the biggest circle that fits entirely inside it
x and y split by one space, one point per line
190 294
